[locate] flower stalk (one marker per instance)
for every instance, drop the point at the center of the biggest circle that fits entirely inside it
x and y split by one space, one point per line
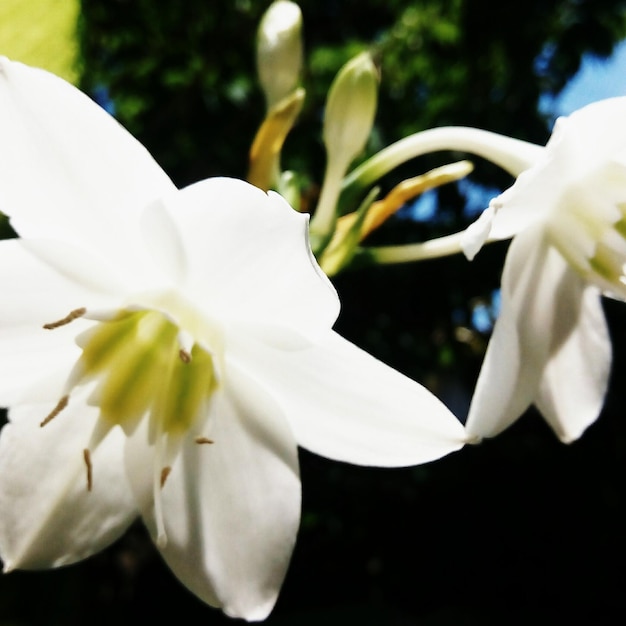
353 228
513 155
348 122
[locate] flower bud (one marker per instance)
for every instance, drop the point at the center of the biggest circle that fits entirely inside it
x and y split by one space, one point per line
350 110
279 50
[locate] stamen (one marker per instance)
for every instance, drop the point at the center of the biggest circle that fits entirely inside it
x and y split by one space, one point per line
185 357
165 472
70 317
87 457
204 440
61 404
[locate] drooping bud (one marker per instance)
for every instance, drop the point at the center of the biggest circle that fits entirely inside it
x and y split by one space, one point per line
279 50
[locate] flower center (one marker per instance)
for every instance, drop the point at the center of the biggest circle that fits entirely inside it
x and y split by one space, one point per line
146 365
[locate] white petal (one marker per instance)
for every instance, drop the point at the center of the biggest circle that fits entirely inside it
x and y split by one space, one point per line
28 355
537 288
248 257
518 348
580 144
594 134
344 404
100 278
72 173
47 516
231 508
163 242
526 203
575 379
476 234
34 294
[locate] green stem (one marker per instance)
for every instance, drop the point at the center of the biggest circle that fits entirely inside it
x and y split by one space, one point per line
325 216
433 249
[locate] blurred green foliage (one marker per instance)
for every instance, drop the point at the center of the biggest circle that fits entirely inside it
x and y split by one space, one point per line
181 74
41 33
518 530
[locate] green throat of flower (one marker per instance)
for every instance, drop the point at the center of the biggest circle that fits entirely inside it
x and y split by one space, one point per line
589 228
144 366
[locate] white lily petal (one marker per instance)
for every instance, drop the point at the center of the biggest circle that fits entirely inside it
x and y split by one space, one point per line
90 173
163 242
513 215
228 228
344 404
548 329
231 508
30 355
575 379
582 145
600 125
35 292
516 356
49 518
100 279
476 234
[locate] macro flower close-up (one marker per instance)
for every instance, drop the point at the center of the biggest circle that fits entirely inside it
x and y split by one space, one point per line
163 353
567 215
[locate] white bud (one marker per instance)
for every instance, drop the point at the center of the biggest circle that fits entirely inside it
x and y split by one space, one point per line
279 50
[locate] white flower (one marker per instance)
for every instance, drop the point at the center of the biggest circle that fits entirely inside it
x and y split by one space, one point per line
550 346
205 355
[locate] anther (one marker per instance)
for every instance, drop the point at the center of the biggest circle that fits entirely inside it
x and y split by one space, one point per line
70 317
87 457
185 343
204 440
61 404
165 472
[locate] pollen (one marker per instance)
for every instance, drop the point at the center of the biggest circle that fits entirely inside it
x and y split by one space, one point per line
61 404
165 472
70 317
87 458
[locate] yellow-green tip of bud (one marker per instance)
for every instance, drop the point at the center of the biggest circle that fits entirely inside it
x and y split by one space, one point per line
279 50
350 109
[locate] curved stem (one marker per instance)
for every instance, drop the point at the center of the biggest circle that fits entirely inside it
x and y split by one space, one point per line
513 155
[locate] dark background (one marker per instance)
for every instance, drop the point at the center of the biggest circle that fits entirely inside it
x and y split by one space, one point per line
520 529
